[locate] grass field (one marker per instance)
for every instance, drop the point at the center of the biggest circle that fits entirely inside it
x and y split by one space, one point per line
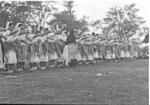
123 83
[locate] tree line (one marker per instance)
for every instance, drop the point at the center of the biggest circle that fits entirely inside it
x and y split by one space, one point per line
119 23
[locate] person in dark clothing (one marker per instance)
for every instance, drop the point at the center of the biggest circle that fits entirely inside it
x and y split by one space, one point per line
69 52
71 38
146 39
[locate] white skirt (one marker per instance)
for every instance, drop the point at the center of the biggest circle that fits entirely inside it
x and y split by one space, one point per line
11 57
44 58
96 55
135 54
65 53
70 52
108 56
35 59
122 54
78 56
100 55
113 56
90 57
52 56
83 58
127 54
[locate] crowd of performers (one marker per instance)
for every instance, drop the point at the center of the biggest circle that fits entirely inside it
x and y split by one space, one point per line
31 48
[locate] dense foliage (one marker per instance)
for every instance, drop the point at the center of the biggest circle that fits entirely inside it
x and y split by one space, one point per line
120 23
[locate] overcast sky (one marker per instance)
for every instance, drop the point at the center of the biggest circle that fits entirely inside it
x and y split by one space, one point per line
96 9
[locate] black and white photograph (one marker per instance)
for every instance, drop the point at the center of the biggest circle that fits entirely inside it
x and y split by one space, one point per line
74 52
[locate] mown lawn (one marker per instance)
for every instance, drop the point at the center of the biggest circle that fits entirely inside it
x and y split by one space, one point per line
123 83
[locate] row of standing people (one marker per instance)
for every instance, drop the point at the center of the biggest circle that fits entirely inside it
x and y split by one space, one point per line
90 52
19 55
42 52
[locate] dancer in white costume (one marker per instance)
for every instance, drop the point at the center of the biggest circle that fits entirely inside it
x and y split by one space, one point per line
117 51
135 51
34 49
10 54
122 51
44 48
86 57
79 59
54 50
102 51
113 52
127 52
4 32
89 52
44 54
108 52
21 42
96 54
83 52
60 44
52 54
11 49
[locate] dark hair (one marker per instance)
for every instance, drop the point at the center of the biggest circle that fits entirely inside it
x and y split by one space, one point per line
10 24
93 33
41 28
71 32
46 29
20 25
